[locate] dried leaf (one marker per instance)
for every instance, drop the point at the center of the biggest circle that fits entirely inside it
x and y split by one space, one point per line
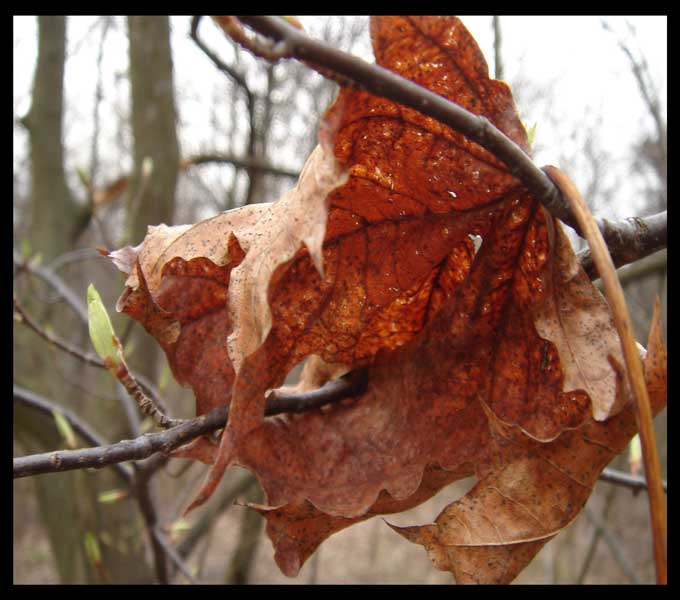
498 358
534 492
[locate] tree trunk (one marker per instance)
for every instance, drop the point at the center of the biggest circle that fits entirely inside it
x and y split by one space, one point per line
54 213
68 502
151 198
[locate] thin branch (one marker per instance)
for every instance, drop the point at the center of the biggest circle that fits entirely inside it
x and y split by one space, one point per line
172 553
245 162
285 41
613 544
643 78
142 493
234 75
497 43
56 282
634 482
638 237
137 480
240 80
117 188
226 498
144 446
596 535
146 404
86 358
79 426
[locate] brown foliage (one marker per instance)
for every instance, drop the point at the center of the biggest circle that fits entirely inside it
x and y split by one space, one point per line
500 360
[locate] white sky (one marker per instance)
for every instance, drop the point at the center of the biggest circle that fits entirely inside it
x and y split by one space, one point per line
572 56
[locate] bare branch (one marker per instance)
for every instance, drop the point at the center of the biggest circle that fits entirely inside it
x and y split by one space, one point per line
630 240
135 479
245 162
613 544
232 73
88 359
240 80
634 482
80 427
56 282
144 446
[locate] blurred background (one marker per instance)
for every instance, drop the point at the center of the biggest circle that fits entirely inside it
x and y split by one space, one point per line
122 122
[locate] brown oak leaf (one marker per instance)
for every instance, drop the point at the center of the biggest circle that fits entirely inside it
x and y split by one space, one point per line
412 251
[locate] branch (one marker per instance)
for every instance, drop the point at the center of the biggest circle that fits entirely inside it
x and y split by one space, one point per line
88 359
613 544
237 77
630 240
119 186
240 80
634 482
56 282
285 41
245 162
137 481
144 446
80 427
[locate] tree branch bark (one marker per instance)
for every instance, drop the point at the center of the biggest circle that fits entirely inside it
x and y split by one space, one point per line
144 446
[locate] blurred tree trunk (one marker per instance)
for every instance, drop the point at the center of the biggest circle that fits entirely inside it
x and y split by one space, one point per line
54 213
151 198
68 501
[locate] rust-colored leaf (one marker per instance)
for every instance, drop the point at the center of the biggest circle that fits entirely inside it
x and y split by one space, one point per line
407 249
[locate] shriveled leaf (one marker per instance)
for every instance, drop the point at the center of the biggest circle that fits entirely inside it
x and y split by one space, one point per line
499 358
531 494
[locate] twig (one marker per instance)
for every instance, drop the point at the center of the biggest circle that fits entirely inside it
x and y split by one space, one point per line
166 441
240 80
79 426
172 553
245 162
289 42
237 77
142 493
137 480
226 498
613 545
634 482
596 535
56 282
88 359
146 404
634 369
639 237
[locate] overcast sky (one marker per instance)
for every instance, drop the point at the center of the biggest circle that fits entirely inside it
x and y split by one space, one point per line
571 56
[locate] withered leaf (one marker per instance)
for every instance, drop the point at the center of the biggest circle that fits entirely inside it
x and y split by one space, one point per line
533 492
491 357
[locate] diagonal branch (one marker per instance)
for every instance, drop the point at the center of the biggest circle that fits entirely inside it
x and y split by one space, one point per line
282 40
